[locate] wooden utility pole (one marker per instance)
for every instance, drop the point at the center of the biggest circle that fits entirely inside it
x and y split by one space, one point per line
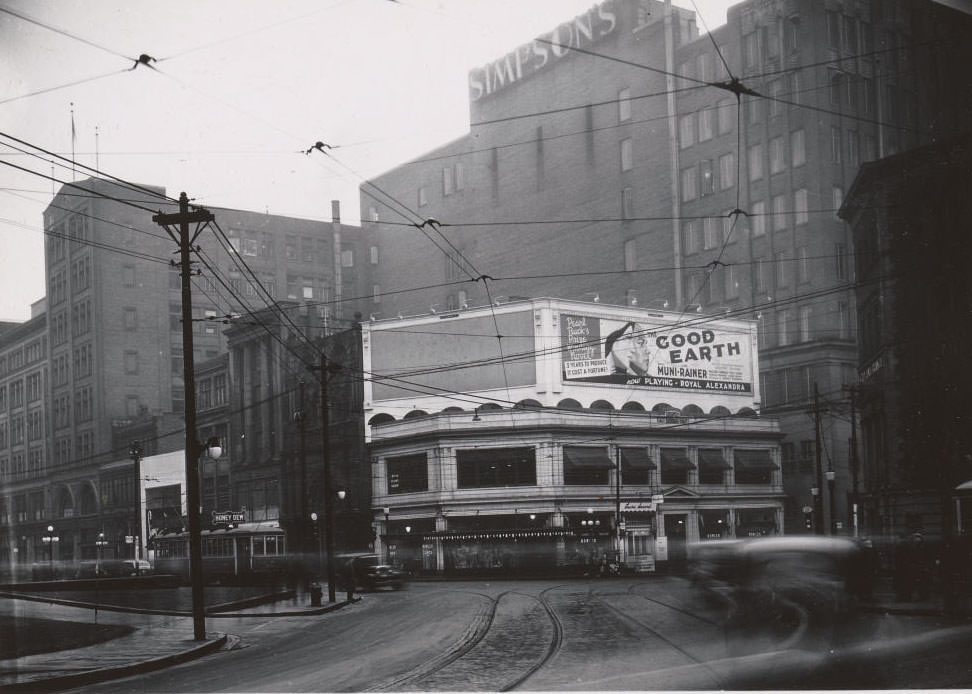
193 448
818 507
328 494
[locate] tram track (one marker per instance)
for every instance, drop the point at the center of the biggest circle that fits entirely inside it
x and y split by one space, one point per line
474 633
553 648
632 589
460 666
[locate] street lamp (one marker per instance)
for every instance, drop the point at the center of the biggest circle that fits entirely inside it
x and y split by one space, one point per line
100 544
135 451
320 560
830 488
49 540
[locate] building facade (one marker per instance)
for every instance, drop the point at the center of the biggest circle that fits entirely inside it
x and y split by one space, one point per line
101 366
909 216
622 156
592 433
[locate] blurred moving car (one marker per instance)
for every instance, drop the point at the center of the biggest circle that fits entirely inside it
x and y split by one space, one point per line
366 572
798 590
712 566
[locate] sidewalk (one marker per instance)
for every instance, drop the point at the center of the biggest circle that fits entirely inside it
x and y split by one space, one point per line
160 640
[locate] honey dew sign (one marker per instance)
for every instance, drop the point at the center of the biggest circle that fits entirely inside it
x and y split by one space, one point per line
600 350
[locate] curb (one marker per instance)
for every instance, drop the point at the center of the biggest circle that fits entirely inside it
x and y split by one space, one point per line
209 614
81 679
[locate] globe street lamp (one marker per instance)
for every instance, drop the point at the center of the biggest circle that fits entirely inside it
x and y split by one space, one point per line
49 540
100 544
320 560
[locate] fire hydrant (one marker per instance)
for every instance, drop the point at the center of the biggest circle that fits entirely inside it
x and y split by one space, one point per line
316 593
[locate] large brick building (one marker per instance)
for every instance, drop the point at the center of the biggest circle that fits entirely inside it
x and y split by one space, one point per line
610 158
102 363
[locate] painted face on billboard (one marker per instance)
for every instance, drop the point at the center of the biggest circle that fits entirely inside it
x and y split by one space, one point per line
627 350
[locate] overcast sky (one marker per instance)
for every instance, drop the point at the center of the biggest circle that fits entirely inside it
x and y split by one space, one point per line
240 90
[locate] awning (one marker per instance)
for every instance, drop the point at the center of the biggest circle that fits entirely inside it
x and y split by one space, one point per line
577 456
637 459
675 459
754 460
712 459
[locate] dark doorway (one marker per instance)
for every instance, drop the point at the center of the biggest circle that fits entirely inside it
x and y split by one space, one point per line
675 532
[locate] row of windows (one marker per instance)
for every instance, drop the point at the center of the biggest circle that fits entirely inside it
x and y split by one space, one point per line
211 392
453 181
487 468
74 229
702 125
19 357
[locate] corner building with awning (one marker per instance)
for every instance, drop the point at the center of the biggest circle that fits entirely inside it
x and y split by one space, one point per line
546 435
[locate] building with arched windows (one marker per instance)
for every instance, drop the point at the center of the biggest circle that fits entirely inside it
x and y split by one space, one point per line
547 433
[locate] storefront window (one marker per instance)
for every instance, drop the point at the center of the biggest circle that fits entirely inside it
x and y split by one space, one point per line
675 466
712 466
587 465
496 467
636 466
408 473
714 524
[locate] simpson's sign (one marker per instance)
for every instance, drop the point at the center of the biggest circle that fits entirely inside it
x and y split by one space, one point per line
599 350
581 32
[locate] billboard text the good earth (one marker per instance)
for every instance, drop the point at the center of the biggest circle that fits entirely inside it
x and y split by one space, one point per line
600 350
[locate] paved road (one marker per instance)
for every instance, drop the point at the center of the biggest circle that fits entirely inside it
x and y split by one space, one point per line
614 634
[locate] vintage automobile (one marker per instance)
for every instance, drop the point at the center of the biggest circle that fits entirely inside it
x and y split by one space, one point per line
366 572
797 591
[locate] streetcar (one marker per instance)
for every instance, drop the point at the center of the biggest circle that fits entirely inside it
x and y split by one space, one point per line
244 553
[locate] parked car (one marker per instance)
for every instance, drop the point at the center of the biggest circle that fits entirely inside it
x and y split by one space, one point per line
126 567
366 572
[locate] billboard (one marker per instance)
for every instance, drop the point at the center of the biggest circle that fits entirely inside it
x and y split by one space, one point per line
453 353
656 354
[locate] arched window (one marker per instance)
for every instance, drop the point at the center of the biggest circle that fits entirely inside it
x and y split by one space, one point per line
381 418
87 502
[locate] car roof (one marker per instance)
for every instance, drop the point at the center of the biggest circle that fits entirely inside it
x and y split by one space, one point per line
800 543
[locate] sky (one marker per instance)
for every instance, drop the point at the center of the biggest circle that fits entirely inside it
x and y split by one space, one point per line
237 92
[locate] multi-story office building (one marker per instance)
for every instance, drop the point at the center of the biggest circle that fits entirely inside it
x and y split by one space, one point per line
623 157
103 365
909 214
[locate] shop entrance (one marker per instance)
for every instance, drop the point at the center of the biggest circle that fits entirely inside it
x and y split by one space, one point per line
675 532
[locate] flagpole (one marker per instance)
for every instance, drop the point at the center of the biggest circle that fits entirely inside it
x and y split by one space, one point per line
73 139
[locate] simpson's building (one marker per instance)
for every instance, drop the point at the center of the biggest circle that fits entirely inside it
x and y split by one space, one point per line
603 160
527 435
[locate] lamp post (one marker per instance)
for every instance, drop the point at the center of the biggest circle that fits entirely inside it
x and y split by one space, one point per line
830 475
817 509
49 540
135 451
316 531
100 545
